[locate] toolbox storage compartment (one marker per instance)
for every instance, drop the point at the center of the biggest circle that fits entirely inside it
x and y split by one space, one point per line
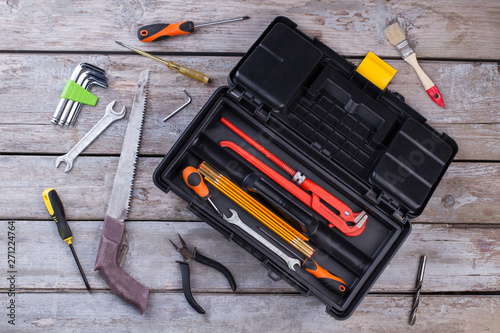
306 105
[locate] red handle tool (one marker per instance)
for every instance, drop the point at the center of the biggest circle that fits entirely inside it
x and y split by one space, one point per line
317 192
312 201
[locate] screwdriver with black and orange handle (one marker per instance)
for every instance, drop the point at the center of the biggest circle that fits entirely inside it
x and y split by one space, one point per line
194 181
161 31
56 210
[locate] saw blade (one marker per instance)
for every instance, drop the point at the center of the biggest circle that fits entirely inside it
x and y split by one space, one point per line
124 178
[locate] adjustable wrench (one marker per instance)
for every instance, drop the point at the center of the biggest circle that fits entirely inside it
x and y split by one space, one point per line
234 219
109 117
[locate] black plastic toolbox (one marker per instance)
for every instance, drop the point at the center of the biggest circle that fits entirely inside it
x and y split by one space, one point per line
308 106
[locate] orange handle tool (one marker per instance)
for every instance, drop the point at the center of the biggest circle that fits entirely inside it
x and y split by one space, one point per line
161 31
193 179
330 281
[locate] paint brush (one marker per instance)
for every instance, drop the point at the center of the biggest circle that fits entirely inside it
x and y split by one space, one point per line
397 37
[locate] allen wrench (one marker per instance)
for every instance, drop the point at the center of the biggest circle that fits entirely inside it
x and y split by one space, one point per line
180 108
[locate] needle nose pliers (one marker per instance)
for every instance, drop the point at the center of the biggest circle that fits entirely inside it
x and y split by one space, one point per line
186 284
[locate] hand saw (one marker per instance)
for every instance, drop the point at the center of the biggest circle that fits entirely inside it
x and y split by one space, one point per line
110 245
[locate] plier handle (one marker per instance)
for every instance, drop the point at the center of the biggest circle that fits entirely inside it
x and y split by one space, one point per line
186 278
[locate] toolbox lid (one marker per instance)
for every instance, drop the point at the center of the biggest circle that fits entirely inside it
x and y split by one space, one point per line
375 144
278 66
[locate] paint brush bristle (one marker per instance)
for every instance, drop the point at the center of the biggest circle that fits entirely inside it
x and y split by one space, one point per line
394 34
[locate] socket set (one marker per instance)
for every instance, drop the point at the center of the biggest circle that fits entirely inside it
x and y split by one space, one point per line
85 76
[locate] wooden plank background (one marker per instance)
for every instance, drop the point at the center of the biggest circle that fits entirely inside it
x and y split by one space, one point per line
458 43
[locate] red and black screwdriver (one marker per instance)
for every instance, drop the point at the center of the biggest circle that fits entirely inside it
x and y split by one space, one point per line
56 211
161 31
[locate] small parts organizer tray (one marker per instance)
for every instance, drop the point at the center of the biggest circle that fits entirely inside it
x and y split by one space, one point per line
313 159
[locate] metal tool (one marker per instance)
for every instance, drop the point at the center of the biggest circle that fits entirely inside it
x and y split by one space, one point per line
186 278
418 289
95 76
109 117
235 219
76 107
161 31
110 245
56 210
74 77
62 102
180 108
170 64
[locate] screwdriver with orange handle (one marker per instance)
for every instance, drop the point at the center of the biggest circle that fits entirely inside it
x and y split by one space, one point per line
161 31
194 181
56 210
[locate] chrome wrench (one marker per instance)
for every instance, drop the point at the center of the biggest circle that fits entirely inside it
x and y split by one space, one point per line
234 219
109 117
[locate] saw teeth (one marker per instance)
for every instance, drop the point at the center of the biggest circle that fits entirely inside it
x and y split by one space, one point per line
121 199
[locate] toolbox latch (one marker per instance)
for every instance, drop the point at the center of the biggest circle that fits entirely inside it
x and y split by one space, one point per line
251 103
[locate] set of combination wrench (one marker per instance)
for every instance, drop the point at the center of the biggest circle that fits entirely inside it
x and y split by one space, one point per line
85 75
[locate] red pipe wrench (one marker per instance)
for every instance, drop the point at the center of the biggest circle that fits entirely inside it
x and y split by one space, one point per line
313 200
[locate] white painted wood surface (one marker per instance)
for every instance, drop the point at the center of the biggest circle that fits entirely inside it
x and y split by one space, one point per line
457 44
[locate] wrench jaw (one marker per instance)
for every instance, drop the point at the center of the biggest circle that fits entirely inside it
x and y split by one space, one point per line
360 219
68 162
121 113
235 219
291 264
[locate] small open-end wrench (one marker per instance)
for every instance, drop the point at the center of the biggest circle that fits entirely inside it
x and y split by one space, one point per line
234 219
109 117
